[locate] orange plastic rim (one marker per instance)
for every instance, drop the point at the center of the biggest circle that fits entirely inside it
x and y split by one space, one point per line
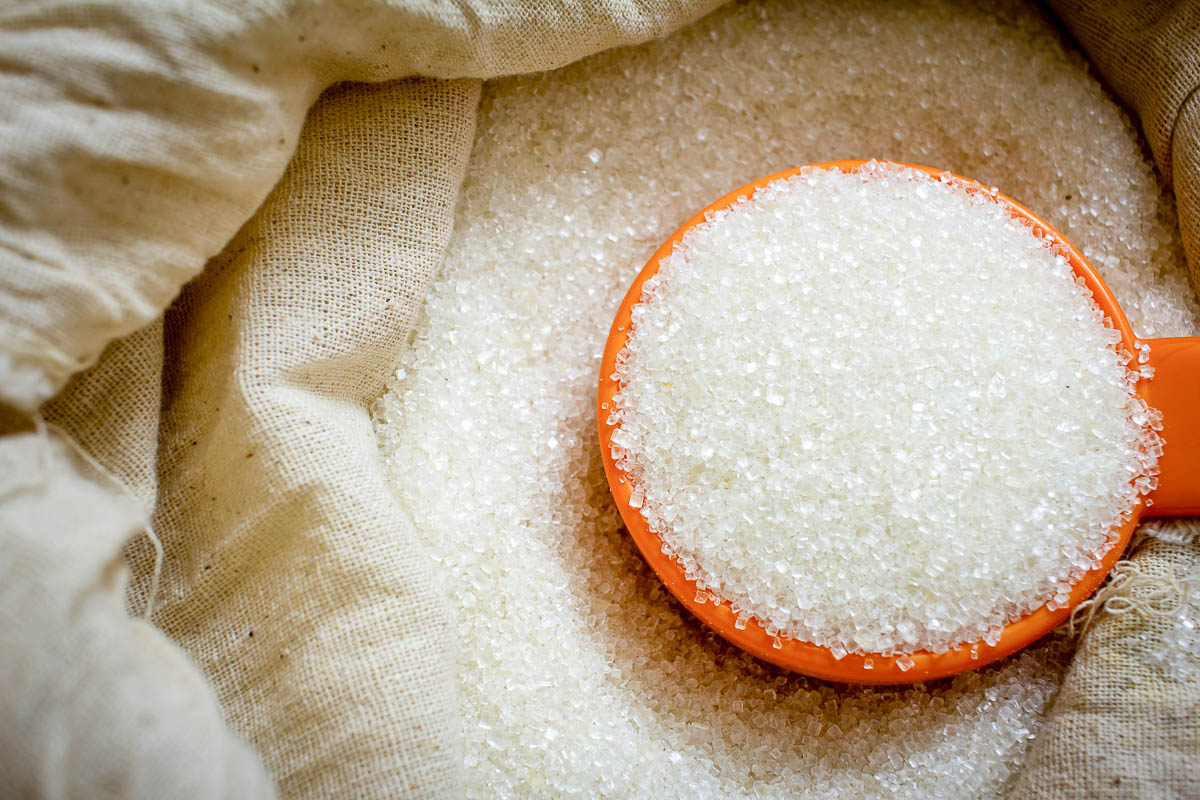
806 657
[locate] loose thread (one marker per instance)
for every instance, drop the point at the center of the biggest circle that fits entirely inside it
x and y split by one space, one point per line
43 429
156 576
1165 597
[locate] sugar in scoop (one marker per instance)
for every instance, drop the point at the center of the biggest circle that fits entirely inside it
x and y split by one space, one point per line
876 412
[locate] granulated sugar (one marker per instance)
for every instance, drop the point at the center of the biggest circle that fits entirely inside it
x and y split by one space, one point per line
579 676
876 413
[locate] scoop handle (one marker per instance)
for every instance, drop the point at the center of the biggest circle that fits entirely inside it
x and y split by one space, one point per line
1175 391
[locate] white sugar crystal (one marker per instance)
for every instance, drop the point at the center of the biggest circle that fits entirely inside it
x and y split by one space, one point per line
561 626
636 497
986 358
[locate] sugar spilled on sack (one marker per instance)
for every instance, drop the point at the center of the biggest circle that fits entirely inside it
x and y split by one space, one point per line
877 413
578 675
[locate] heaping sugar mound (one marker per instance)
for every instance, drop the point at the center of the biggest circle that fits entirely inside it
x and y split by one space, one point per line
876 412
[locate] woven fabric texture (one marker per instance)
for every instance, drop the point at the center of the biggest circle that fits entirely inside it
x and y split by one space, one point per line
1121 726
297 642
1126 723
1149 54
138 140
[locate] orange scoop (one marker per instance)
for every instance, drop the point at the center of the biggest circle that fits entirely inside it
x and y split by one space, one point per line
1174 390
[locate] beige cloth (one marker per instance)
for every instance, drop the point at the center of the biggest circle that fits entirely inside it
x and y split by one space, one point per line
1126 722
93 704
1121 726
137 141
1148 51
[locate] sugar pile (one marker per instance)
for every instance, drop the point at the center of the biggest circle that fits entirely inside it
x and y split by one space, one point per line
579 677
874 412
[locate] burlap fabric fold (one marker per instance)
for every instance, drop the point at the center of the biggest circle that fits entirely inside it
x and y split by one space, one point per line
1125 724
1149 55
296 640
137 141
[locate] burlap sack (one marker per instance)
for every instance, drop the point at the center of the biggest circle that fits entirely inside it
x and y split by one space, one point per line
1124 724
1148 51
136 139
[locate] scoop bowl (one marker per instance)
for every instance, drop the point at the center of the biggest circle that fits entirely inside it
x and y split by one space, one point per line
1174 390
